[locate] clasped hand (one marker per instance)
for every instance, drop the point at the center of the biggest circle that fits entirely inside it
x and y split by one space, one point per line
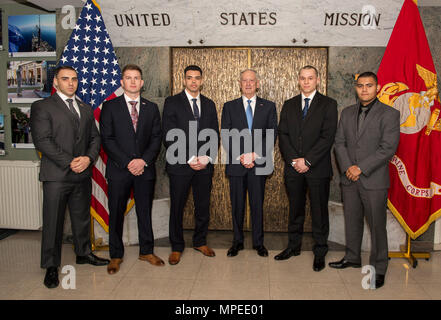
136 167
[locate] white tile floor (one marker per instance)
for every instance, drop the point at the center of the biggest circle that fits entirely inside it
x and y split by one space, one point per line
196 277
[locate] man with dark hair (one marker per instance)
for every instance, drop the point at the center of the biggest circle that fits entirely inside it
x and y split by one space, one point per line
182 112
64 131
367 137
131 133
257 118
306 133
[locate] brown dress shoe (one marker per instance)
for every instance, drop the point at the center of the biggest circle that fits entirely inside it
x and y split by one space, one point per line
174 257
152 259
113 266
206 251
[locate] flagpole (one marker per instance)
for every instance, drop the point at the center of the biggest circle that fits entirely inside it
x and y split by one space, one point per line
409 255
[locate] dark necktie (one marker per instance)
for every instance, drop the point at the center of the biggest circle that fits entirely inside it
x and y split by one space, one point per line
305 109
72 109
249 113
361 118
134 114
195 110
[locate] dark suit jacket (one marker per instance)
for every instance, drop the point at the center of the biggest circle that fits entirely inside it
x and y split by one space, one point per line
311 138
234 117
122 144
372 147
177 115
57 137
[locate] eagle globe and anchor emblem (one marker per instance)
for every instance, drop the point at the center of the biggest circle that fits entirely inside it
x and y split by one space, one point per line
415 114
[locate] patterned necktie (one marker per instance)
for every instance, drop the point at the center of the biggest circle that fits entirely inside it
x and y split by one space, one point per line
134 114
249 113
74 112
195 110
72 108
305 109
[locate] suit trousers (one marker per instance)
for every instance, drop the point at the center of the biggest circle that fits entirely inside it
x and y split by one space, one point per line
118 194
360 203
238 192
57 196
319 195
179 190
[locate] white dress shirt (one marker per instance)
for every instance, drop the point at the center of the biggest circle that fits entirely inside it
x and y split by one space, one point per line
253 103
311 96
198 101
129 106
75 104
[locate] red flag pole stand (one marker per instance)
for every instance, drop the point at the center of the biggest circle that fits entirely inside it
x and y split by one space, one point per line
407 254
96 244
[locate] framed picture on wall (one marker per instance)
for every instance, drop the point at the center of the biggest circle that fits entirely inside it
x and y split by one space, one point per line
1 33
32 35
21 128
2 135
29 81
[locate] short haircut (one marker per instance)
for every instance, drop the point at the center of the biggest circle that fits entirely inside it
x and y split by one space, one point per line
65 67
252 70
193 68
131 67
368 74
309 67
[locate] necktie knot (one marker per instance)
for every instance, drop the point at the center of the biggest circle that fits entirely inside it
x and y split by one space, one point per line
72 108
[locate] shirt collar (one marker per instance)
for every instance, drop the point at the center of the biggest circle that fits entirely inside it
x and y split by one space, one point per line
311 96
64 97
369 106
138 99
190 97
245 99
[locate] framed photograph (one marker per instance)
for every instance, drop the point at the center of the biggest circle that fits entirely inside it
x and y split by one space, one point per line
2 135
32 35
1 26
29 81
21 128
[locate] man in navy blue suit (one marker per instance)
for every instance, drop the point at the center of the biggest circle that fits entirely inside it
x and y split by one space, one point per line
254 121
131 136
187 114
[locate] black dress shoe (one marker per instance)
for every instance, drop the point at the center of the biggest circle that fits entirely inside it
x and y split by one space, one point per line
379 280
261 251
93 260
343 264
287 253
319 264
51 278
234 250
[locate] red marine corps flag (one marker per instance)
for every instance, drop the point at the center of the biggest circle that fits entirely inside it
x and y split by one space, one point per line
409 83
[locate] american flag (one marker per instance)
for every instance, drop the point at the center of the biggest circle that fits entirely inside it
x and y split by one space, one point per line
90 51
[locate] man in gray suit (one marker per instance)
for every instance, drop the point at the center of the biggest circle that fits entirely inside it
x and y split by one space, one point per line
64 131
366 139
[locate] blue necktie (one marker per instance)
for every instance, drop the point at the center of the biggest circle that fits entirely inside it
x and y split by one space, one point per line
249 112
305 109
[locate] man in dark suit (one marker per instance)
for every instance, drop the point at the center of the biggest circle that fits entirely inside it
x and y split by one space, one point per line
367 137
250 158
64 131
187 116
131 133
306 133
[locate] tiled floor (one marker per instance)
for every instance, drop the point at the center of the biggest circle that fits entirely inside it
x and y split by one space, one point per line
245 277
